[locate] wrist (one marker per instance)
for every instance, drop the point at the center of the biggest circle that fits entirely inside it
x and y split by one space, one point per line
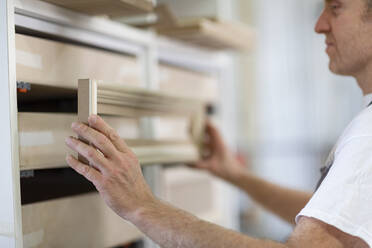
234 172
238 175
140 214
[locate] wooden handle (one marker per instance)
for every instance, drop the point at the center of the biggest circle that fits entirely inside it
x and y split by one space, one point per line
87 105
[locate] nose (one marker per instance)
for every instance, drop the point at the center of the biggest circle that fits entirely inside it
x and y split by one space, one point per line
322 26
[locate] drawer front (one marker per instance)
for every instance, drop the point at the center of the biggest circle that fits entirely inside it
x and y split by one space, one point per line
188 83
42 137
172 128
190 190
54 63
54 224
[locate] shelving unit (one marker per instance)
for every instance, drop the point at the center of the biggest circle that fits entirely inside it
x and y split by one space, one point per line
71 33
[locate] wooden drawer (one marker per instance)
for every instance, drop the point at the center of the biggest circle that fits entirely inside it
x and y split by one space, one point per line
54 63
190 190
42 137
80 221
187 83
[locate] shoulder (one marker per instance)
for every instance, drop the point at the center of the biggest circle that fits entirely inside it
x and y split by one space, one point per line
359 128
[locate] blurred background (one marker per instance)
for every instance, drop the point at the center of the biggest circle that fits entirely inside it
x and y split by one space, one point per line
291 108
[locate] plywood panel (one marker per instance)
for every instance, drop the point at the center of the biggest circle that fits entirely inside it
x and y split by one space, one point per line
190 190
187 83
54 63
211 34
81 221
113 8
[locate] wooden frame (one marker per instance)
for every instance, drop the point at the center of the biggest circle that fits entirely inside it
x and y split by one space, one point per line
137 103
10 214
41 17
112 8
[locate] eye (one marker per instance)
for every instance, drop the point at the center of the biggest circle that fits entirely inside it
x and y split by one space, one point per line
334 6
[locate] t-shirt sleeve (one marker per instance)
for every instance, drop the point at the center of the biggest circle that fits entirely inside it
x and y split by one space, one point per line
344 199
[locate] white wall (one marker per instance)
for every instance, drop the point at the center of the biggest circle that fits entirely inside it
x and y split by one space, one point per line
299 107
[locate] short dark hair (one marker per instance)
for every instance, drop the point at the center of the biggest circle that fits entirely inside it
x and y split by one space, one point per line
369 4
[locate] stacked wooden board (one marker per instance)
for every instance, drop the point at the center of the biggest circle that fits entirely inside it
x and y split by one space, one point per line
212 34
53 63
112 8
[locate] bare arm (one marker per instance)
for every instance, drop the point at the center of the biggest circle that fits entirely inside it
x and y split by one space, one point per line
284 202
117 175
170 228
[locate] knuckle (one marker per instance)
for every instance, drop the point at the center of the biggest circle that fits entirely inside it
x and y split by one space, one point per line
82 128
86 170
122 160
91 153
113 134
101 140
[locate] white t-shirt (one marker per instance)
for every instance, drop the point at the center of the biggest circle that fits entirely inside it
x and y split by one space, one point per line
344 199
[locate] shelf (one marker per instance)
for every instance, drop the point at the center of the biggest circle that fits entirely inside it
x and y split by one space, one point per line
112 8
211 34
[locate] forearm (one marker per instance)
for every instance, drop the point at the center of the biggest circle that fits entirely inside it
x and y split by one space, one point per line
171 228
284 202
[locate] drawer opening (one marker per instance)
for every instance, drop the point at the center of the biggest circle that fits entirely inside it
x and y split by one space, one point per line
42 98
50 184
42 185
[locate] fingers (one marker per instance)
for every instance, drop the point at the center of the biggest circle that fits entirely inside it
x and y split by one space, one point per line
87 171
100 125
91 154
96 138
216 140
203 165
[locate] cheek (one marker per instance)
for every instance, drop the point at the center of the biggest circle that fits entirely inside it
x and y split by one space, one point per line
350 40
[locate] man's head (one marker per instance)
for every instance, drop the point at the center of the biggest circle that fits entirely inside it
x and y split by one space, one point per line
347 25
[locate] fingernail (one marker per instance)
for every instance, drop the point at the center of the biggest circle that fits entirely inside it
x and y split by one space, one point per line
92 119
74 125
69 140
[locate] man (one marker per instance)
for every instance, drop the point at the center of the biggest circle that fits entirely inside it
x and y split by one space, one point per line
339 214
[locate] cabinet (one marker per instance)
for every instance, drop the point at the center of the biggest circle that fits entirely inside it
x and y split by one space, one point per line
51 48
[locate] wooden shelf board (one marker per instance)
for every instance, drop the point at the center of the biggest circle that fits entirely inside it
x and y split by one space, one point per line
112 8
216 35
